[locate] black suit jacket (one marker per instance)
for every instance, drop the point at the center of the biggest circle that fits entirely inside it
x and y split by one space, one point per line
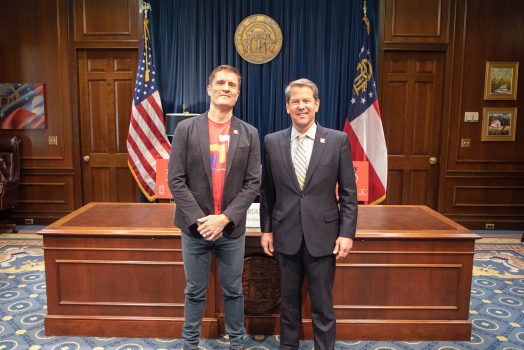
312 213
189 174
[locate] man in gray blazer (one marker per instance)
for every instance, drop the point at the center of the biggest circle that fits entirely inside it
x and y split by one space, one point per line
213 174
303 225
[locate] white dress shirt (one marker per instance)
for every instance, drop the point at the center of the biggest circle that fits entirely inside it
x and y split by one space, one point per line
308 142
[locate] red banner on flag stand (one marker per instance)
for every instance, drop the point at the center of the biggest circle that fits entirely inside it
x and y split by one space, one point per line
162 188
362 180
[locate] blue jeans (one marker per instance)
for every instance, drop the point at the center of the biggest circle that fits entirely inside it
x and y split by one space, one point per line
197 261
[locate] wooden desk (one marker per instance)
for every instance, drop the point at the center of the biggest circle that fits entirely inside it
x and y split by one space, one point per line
116 269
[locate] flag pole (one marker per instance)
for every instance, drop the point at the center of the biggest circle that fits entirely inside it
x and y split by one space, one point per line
363 124
365 18
147 141
145 8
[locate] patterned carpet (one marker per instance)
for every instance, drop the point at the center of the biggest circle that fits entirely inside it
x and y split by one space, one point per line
496 310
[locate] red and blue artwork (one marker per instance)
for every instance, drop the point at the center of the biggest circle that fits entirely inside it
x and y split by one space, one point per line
22 106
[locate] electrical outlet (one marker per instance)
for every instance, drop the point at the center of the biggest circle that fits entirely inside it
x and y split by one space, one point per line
490 226
465 143
28 221
53 140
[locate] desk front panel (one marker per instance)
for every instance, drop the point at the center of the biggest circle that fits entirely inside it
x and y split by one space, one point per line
129 281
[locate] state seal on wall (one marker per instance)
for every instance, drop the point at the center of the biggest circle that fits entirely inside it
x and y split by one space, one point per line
258 39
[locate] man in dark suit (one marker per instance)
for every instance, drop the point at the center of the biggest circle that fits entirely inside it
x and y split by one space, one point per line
302 223
214 170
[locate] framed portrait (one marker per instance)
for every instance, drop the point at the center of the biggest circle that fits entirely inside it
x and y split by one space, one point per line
499 124
501 80
22 106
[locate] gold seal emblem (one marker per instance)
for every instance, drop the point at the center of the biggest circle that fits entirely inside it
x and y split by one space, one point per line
258 39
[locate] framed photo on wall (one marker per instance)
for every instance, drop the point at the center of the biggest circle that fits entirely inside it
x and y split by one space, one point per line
501 80
499 124
22 106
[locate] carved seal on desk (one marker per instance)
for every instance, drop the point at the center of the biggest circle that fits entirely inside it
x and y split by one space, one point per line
258 39
260 284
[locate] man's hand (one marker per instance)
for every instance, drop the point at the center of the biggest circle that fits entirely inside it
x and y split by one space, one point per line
211 226
342 247
266 241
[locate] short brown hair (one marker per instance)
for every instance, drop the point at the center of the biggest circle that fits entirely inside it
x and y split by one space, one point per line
300 83
227 68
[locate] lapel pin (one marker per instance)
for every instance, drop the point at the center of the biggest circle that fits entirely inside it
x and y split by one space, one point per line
322 140
235 132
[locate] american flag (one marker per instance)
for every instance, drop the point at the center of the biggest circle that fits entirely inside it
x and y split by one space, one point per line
147 140
364 125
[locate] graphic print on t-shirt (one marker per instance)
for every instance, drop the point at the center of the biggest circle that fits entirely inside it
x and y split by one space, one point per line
218 149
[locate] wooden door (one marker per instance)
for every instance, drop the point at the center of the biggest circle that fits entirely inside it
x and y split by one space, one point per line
411 103
106 82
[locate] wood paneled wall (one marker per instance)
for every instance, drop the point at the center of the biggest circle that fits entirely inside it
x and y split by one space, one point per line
36 48
40 41
482 184
479 185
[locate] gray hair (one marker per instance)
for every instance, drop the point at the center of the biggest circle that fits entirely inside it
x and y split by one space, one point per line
300 83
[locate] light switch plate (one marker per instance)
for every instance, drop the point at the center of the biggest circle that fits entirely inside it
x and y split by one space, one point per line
471 117
465 143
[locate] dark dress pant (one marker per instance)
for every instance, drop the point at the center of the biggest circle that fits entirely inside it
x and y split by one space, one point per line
320 273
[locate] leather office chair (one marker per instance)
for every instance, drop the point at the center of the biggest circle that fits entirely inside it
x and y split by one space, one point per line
9 179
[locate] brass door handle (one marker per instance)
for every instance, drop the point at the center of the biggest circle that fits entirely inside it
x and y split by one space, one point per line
433 160
86 159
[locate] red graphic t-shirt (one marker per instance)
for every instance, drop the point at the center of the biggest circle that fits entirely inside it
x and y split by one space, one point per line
218 148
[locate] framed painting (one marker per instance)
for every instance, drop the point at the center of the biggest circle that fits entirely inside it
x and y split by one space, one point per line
22 106
501 80
499 124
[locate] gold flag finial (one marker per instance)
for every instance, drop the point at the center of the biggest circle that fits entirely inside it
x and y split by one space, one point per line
365 17
145 8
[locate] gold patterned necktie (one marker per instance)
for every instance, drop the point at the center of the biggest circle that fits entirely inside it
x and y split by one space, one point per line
299 161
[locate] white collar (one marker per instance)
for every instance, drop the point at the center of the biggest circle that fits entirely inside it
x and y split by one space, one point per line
312 131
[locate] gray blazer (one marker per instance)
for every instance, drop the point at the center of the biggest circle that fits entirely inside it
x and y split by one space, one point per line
314 212
189 174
